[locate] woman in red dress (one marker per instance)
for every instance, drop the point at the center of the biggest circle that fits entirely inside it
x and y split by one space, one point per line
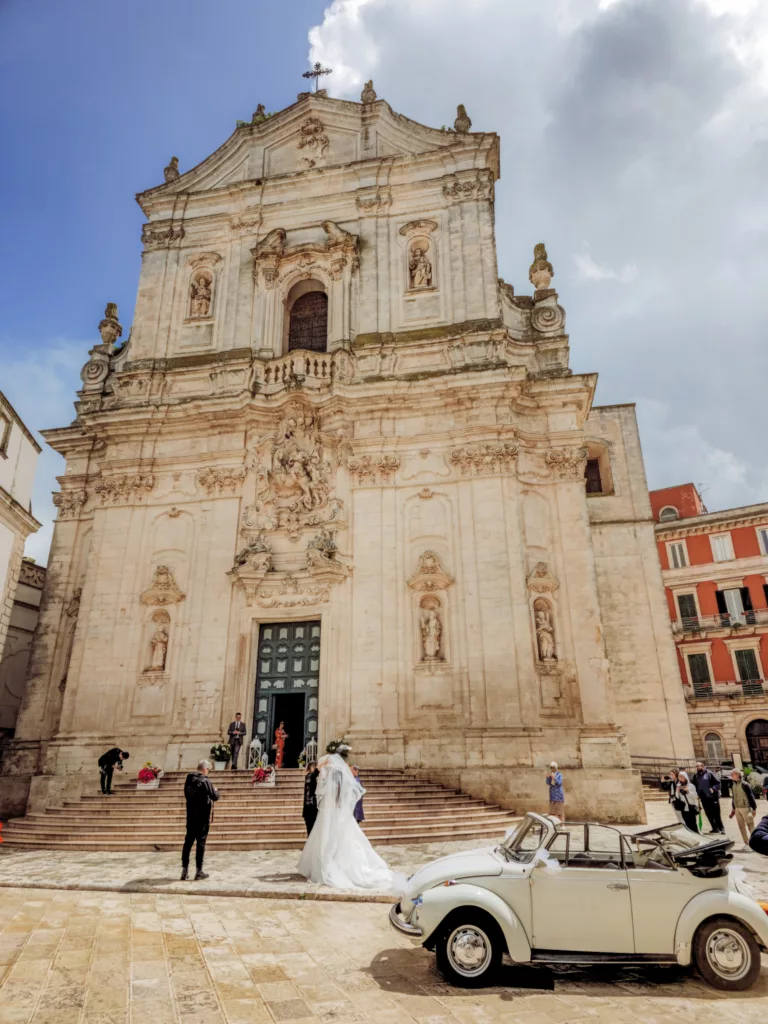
280 737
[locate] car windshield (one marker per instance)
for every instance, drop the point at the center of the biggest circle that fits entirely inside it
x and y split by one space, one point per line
522 843
678 839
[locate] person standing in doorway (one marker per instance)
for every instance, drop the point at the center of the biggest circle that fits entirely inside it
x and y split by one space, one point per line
200 795
359 813
708 789
279 745
236 735
556 795
309 811
107 763
743 806
689 801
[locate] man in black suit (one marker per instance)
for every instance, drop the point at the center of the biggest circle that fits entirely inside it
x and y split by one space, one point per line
236 734
200 794
107 763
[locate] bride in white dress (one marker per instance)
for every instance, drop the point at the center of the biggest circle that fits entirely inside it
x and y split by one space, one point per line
337 852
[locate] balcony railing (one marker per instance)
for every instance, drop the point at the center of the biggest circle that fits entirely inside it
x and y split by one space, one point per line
735 689
701 623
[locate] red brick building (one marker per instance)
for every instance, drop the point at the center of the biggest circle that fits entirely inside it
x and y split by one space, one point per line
715 569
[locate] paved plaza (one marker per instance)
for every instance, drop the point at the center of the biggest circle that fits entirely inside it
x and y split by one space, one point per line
140 947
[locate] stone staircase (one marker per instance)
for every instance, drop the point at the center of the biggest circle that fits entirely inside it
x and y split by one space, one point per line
399 809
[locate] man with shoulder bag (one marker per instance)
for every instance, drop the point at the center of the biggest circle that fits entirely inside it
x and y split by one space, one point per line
743 806
200 795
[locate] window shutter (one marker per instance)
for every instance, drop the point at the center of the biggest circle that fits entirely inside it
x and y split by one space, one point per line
722 607
746 600
687 605
746 662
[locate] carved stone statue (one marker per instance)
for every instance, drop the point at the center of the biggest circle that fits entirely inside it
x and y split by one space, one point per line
337 234
321 549
541 273
431 632
259 114
109 328
171 172
200 295
256 555
462 124
159 649
545 632
419 268
368 95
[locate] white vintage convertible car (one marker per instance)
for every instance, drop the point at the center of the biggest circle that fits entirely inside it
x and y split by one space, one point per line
584 893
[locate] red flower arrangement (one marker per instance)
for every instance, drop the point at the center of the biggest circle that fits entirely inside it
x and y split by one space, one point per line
262 773
149 773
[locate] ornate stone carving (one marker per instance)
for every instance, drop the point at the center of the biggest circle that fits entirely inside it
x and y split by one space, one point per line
256 555
548 318
430 575
484 458
292 594
158 642
312 137
458 191
540 273
220 481
200 293
267 253
421 227
373 203
419 266
31 574
113 489
171 172
161 235
244 225
431 631
96 370
368 95
567 462
293 473
323 562
163 589
462 124
541 580
545 630
69 503
373 469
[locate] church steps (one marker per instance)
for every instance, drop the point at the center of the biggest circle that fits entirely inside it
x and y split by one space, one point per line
399 809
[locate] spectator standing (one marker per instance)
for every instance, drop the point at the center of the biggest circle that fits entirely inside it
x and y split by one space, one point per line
309 811
689 801
359 813
743 806
200 794
236 736
708 788
669 782
556 795
107 763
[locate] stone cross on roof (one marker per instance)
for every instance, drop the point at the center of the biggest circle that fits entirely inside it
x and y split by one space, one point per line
316 71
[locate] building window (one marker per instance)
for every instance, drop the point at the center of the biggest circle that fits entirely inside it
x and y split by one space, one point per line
746 664
735 606
592 475
668 513
722 547
689 614
676 552
713 748
5 434
762 536
698 666
308 325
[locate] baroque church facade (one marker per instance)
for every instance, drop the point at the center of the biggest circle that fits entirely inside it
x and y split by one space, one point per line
335 477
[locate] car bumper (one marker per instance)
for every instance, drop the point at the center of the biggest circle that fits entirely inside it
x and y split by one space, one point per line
398 922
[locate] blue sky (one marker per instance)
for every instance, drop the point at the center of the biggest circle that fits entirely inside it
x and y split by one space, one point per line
634 141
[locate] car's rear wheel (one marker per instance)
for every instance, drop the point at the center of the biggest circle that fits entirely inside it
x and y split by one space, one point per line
470 948
726 954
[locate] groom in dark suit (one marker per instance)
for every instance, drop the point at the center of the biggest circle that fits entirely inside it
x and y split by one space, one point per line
236 734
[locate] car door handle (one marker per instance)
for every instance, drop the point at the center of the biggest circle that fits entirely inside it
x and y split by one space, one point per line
616 886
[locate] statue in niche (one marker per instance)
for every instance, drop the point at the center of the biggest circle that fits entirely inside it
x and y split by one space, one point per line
419 267
200 294
431 632
545 631
159 649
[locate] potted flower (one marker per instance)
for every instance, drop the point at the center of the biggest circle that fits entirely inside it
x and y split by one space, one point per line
264 775
220 753
149 777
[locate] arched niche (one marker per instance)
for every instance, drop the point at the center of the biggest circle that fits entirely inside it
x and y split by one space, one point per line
306 317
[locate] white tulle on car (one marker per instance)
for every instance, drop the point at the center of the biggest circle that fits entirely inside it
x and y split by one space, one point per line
337 852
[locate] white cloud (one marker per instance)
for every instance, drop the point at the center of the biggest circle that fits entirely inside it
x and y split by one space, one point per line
42 390
588 270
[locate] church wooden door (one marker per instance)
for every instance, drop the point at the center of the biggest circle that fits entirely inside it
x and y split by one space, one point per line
286 686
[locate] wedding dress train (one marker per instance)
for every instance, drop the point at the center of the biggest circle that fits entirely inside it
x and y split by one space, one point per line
337 852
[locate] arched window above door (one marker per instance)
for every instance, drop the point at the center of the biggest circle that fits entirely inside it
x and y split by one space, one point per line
307 317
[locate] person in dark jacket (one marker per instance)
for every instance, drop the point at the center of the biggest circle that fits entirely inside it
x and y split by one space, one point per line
708 787
759 838
200 795
107 763
743 805
309 811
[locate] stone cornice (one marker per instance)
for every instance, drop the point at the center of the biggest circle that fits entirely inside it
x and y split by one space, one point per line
712 522
16 516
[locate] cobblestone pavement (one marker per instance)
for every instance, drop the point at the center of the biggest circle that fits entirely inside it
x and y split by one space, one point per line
267 873
69 957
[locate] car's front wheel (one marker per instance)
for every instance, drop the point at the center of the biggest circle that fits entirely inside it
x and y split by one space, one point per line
726 954
470 948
